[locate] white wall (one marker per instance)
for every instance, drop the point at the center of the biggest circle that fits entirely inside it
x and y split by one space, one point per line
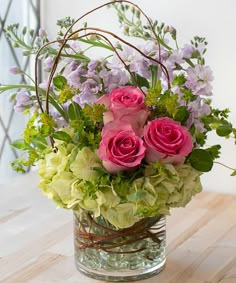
214 20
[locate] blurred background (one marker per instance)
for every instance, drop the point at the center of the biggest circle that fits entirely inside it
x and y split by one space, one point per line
214 20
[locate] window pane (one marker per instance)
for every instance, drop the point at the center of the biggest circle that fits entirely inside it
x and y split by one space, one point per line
26 13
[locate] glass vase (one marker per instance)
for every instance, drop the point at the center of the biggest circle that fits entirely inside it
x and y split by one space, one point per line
119 255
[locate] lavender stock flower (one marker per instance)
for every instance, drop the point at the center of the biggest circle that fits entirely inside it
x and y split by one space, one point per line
42 33
48 63
187 51
23 101
198 80
197 109
15 70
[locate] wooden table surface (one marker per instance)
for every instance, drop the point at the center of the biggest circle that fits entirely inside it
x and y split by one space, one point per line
36 240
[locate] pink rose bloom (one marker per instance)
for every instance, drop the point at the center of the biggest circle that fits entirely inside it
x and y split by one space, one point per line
126 104
167 140
120 148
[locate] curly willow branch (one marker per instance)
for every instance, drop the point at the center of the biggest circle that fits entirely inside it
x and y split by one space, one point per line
116 2
66 38
107 239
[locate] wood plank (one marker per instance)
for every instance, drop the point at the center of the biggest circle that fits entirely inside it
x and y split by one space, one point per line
31 270
36 240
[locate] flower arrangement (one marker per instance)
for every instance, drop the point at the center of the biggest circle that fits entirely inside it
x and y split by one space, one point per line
123 136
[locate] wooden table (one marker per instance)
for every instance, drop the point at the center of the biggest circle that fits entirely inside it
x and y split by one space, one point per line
36 240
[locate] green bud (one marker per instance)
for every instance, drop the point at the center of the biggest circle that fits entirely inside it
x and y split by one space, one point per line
31 32
16 45
26 53
60 33
138 14
24 30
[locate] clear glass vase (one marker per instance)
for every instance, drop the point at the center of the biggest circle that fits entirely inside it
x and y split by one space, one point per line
105 253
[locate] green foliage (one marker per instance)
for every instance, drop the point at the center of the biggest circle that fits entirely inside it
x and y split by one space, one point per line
218 121
62 136
74 111
60 82
214 151
95 112
19 144
181 115
141 81
162 104
65 22
179 80
188 95
200 137
23 38
151 99
224 130
66 94
47 120
201 160
234 173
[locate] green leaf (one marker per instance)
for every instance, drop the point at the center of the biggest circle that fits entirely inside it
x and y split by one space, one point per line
60 82
58 107
179 80
234 173
201 160
158 87
74 111
224 130
40 142
200 137
182 114
19 144
141 81
187 94
214 151
63 136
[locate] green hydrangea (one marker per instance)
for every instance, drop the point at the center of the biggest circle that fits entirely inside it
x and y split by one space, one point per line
175 185
84 163
75 179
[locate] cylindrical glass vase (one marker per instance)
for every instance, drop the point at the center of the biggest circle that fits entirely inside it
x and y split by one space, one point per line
105 253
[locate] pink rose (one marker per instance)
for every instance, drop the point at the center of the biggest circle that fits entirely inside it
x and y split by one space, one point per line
167 140
120 148
126 104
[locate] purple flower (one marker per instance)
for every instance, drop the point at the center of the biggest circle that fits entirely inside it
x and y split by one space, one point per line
197 109
44 85
198 80
187 51
15 70
23 101
201 47
128 56
92 66
48 63
42 33
113 79
176 57
74 77
73 48
88 92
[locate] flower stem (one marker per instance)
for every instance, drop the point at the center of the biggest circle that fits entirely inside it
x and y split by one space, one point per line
226 166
